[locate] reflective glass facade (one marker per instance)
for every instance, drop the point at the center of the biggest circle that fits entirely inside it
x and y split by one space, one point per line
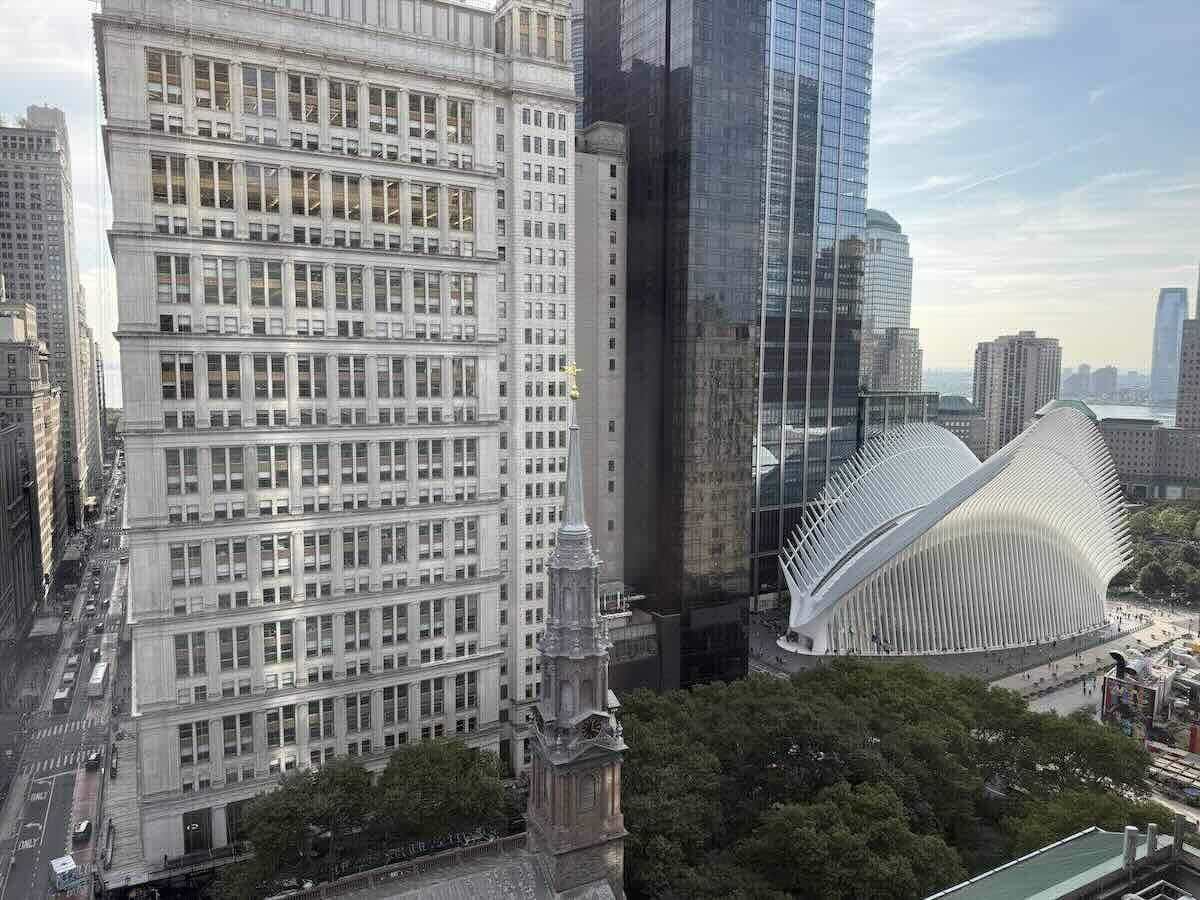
887 302
1168 332
747 124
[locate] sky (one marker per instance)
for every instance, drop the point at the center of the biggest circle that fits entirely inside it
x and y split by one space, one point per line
1042 155
1044 158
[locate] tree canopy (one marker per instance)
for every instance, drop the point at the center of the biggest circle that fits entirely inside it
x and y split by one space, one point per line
323 822
857 780
1166 552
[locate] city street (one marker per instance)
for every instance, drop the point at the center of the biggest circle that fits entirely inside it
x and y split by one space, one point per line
37 822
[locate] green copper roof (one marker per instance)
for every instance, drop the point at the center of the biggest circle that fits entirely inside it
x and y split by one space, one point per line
1052 871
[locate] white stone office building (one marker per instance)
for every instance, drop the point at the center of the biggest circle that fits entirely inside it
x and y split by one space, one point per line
38 261
601 176
344 244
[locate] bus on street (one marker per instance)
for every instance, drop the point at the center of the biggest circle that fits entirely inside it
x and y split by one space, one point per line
98 683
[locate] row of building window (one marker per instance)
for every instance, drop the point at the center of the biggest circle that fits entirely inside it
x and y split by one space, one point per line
266 377
261 87
314 285
348 193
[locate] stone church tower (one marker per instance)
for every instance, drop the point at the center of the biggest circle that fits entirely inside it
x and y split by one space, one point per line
574 817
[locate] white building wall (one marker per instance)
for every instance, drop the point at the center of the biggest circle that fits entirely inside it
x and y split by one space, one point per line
600 188
181 509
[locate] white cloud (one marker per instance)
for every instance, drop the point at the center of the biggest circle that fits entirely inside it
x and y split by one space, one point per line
1084 265
913 99
1096 94
917 34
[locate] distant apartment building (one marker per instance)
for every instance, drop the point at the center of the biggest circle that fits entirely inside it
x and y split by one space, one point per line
895 360
30 403
600 316
1015 375
964 420
1169 316
345 249
37 210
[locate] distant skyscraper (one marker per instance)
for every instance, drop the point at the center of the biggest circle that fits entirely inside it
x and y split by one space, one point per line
887 305
578 58
37 209
1187 403
744 286
1015 375
887 293
1104 381
1168 330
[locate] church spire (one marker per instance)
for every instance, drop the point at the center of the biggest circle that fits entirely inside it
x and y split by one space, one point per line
574 515
574 814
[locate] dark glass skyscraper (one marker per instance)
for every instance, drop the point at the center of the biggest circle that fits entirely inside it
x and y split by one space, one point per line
747 124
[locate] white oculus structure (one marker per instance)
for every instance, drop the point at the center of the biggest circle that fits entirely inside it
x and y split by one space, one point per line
916 547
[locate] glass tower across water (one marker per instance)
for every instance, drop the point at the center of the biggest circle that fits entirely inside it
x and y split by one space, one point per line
748 131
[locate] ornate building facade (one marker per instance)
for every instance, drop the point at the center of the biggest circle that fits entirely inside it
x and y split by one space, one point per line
574 816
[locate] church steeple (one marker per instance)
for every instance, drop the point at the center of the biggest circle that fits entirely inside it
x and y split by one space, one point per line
574 814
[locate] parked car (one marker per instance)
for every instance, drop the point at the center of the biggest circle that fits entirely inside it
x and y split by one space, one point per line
68 679
72 662
82 831
94 759
96 585
89 609
99 628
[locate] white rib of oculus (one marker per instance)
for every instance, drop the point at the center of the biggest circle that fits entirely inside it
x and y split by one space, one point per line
915 547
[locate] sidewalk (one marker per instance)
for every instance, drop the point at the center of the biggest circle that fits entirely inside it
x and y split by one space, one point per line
1093 661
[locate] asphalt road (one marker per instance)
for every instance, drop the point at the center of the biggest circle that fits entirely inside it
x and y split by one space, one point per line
57 744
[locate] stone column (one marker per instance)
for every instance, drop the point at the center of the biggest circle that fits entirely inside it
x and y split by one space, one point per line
200 382
292 378
323 110
440 128
250 482
285 203
372 369
248 401
239 196
235 102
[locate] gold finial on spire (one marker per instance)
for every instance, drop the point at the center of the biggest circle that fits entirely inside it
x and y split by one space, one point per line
573 370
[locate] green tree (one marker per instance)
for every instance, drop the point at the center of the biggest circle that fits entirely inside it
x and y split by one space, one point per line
1153 580
851 842
670 793
1141 523
434 788
304 827
1188 554
713 776
1051 819
319 823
